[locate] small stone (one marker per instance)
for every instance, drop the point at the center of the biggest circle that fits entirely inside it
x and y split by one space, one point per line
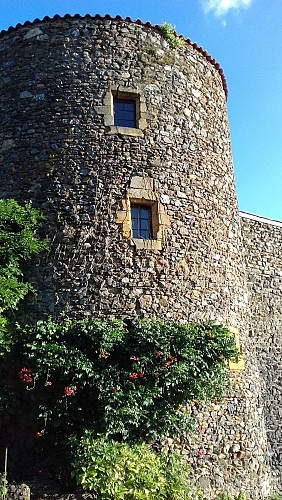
7 144
32 33
39 97
180 194
25 94
204 482
196 92
125 280
164 199
74 32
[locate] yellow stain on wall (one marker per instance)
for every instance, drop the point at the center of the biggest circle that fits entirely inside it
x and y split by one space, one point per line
240 364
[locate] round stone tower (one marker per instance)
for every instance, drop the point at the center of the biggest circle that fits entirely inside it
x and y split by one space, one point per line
123 142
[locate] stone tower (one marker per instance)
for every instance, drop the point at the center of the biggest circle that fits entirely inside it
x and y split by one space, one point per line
123 142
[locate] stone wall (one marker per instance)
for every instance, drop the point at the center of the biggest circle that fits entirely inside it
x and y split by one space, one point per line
262 239
60 150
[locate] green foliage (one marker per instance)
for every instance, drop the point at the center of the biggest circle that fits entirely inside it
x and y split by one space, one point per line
117 471
5 339
130 380
17 244
3 484
225 496
168 32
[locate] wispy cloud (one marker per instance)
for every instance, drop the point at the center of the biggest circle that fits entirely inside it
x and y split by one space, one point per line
222 7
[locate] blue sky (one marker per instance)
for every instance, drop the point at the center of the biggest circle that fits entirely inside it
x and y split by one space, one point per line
245 37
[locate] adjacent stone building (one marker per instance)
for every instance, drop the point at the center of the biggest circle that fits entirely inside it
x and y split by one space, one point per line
123 141
262 244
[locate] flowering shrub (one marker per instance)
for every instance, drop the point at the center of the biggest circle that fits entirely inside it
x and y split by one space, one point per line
129 380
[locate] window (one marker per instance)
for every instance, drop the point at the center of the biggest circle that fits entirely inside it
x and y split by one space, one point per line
141 219
124 113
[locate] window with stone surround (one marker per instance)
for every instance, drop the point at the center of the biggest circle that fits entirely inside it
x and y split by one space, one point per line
142 216
124 111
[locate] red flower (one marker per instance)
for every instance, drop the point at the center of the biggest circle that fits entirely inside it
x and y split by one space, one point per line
158 353
133 376
68 391
48 382
24 375
201 430
104 355
113 389
172 358
141 374
40 433
134 358
167 363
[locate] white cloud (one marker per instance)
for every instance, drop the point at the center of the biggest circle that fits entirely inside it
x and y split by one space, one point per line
221 7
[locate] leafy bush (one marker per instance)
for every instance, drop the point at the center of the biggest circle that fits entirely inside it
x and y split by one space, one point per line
18 243
168 32
130 380
117 471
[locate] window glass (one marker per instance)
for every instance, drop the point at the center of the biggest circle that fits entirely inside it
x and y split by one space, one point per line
124 113
141 218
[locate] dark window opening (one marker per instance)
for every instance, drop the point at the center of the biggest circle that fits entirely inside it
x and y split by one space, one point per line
141 219
124 113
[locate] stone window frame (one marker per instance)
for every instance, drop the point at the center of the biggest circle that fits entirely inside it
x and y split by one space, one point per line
107 110
142 190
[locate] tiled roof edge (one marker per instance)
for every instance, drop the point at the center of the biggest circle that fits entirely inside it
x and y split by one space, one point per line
260 218
126 19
